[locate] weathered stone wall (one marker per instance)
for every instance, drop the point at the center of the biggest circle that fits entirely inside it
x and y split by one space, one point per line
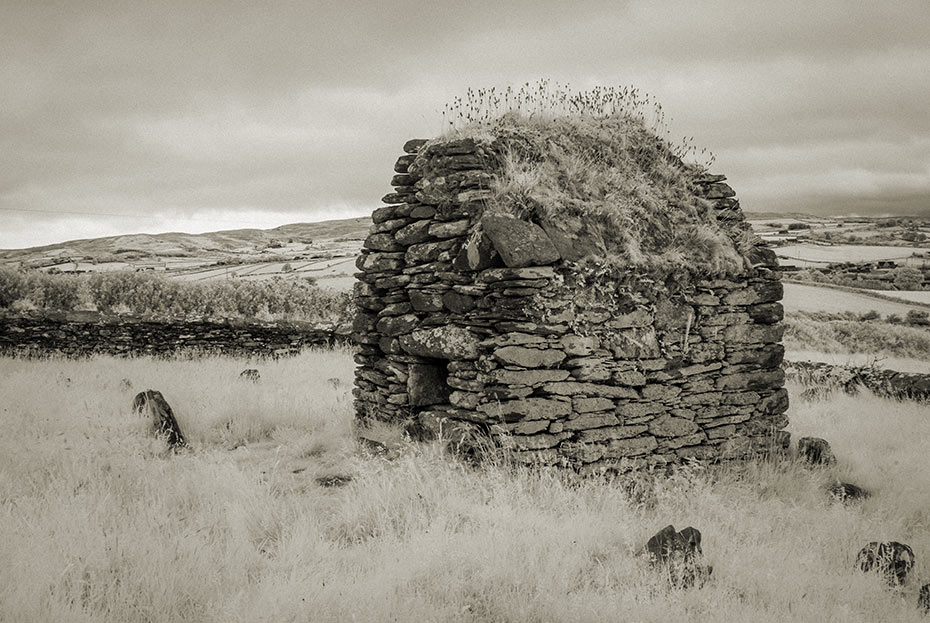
81 334
495 330
822 377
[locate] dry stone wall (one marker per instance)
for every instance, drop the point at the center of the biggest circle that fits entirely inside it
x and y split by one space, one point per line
820 377
490 328
81 334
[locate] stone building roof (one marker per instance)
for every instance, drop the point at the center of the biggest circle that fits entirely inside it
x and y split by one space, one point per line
604 189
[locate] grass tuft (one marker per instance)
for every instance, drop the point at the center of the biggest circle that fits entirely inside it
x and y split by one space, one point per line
805 331
592 157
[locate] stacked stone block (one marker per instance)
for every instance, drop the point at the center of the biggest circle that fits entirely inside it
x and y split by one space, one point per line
468 319
81 334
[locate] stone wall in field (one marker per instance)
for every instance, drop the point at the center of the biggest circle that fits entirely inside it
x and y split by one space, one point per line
820 378
81 334
479 323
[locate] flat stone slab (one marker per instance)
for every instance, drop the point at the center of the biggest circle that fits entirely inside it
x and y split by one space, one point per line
573 238
448 342
519 243
529 357
528 408
528 377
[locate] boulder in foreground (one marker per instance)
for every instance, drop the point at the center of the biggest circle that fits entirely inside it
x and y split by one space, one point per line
679 554
890 559
153 405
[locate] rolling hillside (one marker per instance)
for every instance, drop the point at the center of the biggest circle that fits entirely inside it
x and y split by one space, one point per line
324 251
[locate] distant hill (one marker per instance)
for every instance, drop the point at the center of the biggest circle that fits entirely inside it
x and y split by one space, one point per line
173 244
324 251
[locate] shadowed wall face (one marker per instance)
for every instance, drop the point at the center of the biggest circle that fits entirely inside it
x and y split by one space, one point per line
469 319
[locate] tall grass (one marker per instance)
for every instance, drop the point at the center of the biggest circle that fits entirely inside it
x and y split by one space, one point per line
601 157
492 109
98 523
883 339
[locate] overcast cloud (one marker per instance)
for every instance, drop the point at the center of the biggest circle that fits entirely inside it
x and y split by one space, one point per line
119 117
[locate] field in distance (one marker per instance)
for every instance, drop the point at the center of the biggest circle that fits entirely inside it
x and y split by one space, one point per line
906 231
326 251
807 241
820 298
804 255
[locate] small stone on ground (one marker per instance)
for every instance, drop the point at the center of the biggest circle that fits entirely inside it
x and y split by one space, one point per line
250 374
815 451
890 559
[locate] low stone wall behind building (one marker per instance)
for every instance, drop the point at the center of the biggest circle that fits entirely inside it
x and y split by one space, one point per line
888 383
81 334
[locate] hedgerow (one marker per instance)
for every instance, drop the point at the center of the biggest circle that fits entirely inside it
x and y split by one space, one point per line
149 295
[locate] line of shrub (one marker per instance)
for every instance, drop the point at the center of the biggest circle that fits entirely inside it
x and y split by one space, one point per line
905 278
153 296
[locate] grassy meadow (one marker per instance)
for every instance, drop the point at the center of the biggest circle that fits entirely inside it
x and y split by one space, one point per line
802 297
99 523
847 327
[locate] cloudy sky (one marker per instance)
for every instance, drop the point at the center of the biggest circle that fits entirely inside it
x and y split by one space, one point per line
185 115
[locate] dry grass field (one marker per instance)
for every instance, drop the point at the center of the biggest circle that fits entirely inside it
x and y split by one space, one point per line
916 297
824 324
810 298
100 523
816 253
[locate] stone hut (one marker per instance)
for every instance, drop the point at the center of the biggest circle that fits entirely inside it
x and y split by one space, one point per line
473 319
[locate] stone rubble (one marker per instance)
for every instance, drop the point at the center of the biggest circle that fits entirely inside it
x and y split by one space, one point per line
815 451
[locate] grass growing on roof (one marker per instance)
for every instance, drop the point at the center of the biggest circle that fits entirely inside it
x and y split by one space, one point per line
594 157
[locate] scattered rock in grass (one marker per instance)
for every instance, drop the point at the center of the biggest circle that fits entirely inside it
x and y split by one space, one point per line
250 374
679 553
335 382
334 480
372 447
125 385
890 559
815 451
153 405
923 601
846 492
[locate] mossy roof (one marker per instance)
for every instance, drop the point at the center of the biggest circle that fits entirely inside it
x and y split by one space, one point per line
620 181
